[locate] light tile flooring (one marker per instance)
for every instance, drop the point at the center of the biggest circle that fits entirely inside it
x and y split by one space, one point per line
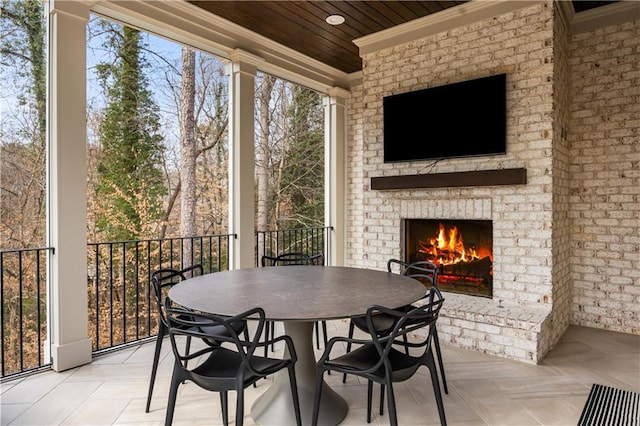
483 390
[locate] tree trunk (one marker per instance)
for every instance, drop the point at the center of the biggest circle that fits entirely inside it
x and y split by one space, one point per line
262 153
187 152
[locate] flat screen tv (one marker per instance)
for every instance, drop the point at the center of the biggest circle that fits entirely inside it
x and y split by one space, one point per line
463 119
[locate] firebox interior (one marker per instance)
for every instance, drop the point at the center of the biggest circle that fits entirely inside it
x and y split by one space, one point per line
462 249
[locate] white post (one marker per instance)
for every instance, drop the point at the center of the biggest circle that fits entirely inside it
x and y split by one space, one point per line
243 69
67 174
335 173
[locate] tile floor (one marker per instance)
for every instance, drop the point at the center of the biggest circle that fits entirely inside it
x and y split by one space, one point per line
483 390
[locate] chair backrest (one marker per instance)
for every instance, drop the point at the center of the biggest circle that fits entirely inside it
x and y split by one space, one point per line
286 259
163 279
423 316
407 322
424 271
215 330
396 266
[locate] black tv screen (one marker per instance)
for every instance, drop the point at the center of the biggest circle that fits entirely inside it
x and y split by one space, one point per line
463 119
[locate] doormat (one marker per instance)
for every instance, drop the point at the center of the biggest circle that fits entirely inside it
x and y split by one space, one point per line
610 406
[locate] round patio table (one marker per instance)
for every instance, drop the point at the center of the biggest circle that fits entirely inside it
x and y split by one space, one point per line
298 296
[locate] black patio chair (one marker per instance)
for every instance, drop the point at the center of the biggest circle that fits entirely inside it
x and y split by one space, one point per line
161 281
232 367
425 272
378 358
287 259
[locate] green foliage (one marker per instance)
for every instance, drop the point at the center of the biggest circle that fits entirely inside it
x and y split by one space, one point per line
22 48
130 180
23 130
303 180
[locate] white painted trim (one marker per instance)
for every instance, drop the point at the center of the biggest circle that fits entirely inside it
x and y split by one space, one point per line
71 355
335 172
242 161
566 11
67 296
611 14
453 17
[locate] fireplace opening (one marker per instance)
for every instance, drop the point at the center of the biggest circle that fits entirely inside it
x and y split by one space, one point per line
462 249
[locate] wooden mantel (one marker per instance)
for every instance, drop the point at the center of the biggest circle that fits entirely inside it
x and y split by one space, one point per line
453 179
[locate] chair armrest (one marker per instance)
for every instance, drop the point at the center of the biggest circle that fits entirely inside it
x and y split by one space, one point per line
329 346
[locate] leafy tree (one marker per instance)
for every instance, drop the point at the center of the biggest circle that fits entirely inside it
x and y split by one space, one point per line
289 156
22 179
197 177
23 48
22 133
130 181
263 150
303 179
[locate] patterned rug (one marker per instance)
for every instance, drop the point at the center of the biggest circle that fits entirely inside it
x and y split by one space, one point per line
610 406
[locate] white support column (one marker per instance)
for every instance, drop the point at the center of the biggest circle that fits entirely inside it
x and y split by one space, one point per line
67 175
243 69
335 172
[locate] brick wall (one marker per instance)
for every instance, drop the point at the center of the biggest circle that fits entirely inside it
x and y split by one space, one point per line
560 254
604 134
567 244
519 44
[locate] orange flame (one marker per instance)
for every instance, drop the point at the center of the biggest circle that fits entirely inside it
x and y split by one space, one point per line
448 248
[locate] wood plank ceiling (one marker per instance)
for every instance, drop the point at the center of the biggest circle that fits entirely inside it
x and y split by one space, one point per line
301 25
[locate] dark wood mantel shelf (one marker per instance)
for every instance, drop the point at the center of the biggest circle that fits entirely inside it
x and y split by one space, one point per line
454 179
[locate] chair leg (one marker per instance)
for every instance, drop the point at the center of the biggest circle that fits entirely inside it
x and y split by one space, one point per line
369 398
351 330
316 326
154 368
187 349
224 404
430 362
176 379
324 336
393 418
273 335
316 398
294 394
324 333
240 405
266 337
381 399
436 342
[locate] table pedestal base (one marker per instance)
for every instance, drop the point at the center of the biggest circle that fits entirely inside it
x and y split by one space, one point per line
275 405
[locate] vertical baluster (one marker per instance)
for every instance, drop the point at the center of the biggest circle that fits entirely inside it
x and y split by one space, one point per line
20 312
124 292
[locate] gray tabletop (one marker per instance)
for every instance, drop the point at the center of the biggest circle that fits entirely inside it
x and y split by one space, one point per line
297 293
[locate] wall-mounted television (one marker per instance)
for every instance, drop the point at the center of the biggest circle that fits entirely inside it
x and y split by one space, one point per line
464 119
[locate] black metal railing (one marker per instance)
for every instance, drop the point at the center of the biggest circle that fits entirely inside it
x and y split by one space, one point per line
23 315
121 308
121 305
299 240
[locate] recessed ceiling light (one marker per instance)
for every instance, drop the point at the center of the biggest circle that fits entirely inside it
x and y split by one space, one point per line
335 19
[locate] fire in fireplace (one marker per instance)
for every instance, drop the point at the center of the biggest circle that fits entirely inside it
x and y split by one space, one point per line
462 249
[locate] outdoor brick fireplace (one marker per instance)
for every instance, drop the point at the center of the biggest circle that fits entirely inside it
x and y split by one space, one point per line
550 251
491 308
462 249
